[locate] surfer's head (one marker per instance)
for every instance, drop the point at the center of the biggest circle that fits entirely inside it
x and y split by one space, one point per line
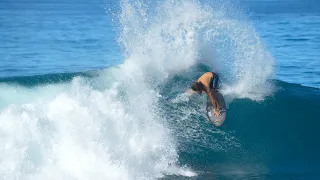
198 87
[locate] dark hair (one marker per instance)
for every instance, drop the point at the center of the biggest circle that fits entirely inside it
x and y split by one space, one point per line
197 86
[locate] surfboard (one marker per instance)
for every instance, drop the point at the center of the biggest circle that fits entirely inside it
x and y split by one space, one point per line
217 120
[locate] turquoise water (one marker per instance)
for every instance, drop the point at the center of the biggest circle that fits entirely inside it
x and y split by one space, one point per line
95 90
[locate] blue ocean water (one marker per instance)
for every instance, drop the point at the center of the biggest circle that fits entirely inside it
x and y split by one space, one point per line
41 37
290 28
95 89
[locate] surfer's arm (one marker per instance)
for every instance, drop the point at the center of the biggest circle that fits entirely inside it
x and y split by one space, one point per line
213 98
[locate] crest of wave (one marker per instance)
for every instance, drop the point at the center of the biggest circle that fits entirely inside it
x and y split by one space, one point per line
162 38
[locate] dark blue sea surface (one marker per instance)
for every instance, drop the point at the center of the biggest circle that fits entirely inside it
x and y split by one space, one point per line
97 89
44 37
290 29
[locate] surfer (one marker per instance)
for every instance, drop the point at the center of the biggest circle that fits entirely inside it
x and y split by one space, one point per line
205 83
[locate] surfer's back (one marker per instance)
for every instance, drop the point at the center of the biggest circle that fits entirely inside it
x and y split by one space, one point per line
206 80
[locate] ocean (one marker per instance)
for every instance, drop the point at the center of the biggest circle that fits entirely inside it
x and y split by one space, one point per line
96 89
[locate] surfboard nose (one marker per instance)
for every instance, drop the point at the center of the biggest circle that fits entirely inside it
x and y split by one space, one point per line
216 120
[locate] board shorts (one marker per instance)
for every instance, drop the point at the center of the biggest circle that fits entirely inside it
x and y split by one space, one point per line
214 82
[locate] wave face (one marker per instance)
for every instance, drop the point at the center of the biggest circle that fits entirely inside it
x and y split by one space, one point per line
116 123
269 139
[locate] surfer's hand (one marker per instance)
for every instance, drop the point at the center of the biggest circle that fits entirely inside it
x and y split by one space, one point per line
216 112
